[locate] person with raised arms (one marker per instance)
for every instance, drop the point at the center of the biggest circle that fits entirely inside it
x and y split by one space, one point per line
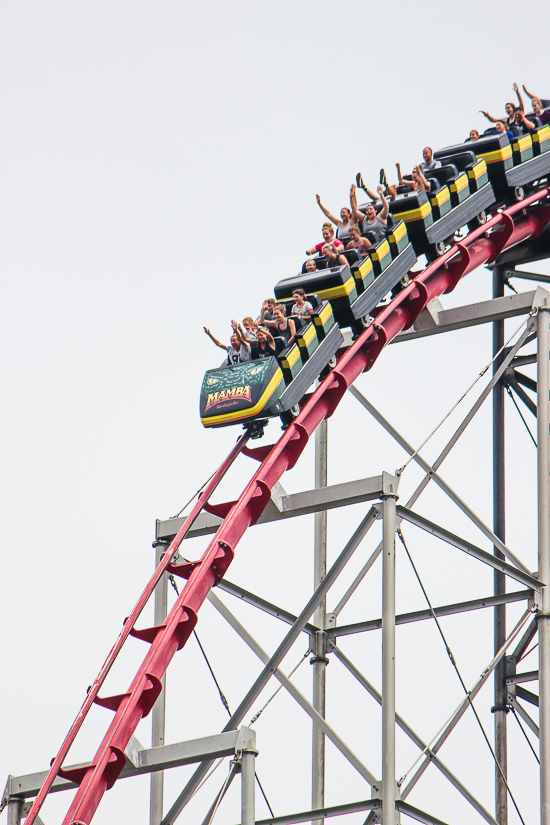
342 224
369 220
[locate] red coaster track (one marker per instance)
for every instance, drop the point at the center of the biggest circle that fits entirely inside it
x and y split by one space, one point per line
516 224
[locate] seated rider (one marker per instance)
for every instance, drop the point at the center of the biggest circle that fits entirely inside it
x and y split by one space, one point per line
510 109
238 351
301 307
281 325
542 114
429 162
333 256
328 235
264 346
417 182
362 245
250 326
270 306
500 129
474 135
342 225
370 221
311 266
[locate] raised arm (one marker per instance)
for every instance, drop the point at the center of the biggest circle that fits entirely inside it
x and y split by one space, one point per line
488 116
215 340
420 174
528 93
243 337
357 217
515 87
384 212
334 220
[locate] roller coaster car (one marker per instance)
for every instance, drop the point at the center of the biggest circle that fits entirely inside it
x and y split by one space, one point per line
460 193
356 289
511 164
259 389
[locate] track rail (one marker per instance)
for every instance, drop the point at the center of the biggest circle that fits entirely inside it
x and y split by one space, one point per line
484 245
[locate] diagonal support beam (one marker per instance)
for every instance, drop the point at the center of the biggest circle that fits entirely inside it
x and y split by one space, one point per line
463 707
520 392
428 470
262 604
520 710
467 547
363 681
294 692
278 656
431 471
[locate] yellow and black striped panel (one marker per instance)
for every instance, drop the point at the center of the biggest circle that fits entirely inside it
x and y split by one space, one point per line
380 256
541 140
308 341
522 149
324 320
460 189
341 295
441 202
498 159
398 238
363 273
291 362
477 175
415 209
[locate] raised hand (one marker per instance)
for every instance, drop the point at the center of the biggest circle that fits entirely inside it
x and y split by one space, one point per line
515 87
318 198
380 190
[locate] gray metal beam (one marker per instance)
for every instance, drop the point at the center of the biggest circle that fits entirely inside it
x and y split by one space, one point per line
423 615
448 320
262 604
414 737
278 656
283 506
319 813
527 276
520 710
527 676
141 761
415 813
527 696
294 692
467 547
474 314
463 707
431 472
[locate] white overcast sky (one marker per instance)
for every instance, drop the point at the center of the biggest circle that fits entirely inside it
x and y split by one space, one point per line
159 168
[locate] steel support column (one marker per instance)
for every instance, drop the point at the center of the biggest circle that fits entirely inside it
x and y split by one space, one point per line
248 775
158 714
388 660
14 812
543 479
319 659
500 709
